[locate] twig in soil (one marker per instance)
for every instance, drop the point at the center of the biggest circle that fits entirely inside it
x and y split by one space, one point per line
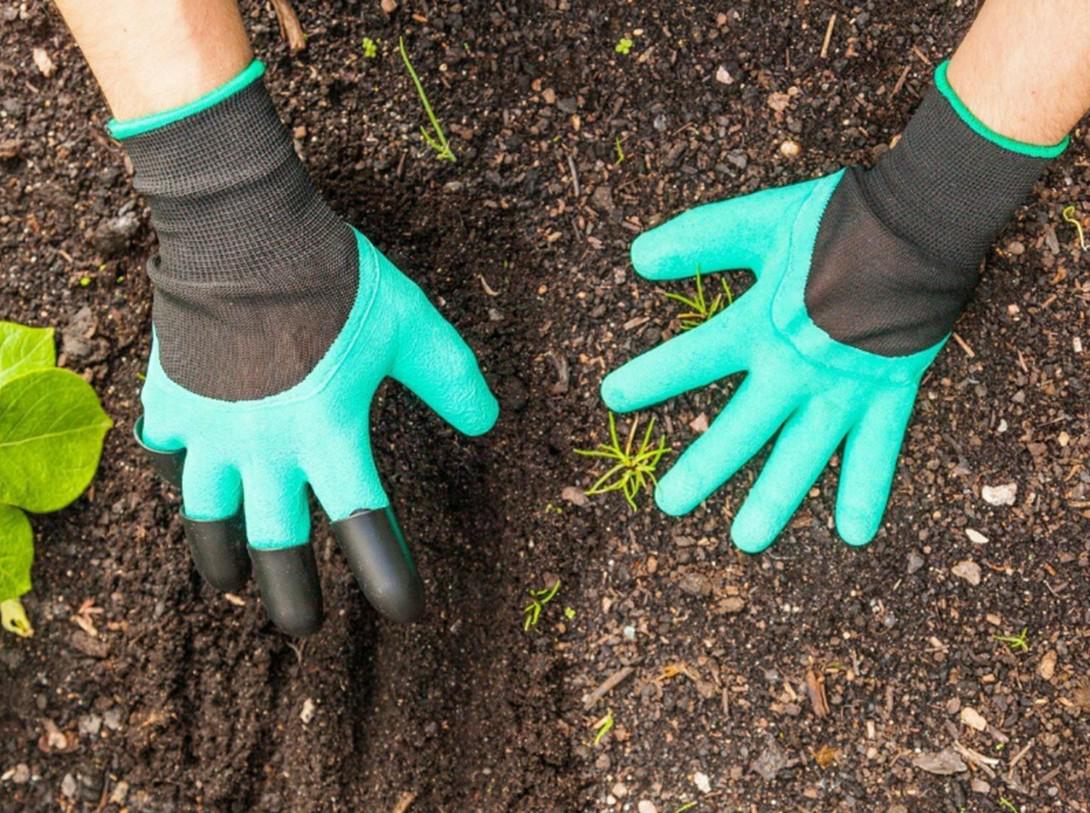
603 727
404 802
574 175
290 28
538 600
437 142
700 310
900 82
606 686
965 346
828 36
815 690
634 471
1069 217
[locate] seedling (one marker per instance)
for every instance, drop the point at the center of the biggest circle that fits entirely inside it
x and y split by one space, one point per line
603 727
569 613
700 310
1017 643
686 806
370 48
1008 805
634 470
51 431
538 599
438 142
623 46
619 150
1069 216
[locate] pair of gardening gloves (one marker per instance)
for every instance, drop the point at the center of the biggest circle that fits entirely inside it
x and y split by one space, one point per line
274 323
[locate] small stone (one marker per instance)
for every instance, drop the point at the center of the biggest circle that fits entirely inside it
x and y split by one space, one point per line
1016 248
20 774
980 786
307 714
69 786
967 570
790 149
112 238
695 584
915 562
629 632
723 77
112 719
43 62
702 782
942 763
771 761
699 424
389 6
1004 494
738 159
90 724
619 789
1047 667
976 537
575 496
973 718
603 762
779 101
646 806
120 793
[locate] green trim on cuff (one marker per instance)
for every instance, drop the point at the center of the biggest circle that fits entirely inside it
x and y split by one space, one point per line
984 131
145 124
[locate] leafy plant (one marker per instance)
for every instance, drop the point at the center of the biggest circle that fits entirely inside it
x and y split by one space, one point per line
370 48
1017 643
623 46
700 310
603 727
538 599
634 470
1070 217
437 142
51 431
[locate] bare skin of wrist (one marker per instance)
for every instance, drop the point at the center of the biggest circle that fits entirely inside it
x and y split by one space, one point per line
1024 67
154 55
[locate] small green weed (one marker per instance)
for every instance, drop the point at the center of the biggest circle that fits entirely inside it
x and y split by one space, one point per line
623 46
438 142
633 471
686 806
1017 643
538 599
1069 216
619 151
569 613
605 725
1008 805
700 310
370 48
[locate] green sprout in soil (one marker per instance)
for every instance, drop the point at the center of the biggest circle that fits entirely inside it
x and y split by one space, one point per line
634 470
438 142
370 48
538 600
1069 217
623 46
700 310
605 725
686 806
619 151
569 613
1017 643
1008 805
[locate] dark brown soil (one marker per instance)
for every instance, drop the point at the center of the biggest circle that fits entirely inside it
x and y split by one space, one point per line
187 701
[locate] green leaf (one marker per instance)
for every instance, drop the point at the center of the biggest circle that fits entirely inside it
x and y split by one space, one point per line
23 349
51 431
16 552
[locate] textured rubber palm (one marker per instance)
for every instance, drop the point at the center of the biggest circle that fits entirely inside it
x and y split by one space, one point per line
261 455
802 387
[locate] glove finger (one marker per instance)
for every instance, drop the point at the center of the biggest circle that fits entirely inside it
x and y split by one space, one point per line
749 419
164 462
347 485
689 360
212 517
802 450
277 525
870 461
435 363
734 233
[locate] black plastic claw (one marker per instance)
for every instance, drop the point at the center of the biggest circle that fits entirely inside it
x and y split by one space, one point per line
290 590
219 551
377 554
167 465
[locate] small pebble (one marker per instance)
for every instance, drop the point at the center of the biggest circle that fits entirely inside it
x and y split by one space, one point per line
646 806
703 784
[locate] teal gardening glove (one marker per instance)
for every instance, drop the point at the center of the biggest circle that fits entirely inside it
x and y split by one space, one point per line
274 323
860 276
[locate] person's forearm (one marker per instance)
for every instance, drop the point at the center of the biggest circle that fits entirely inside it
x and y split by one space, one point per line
1024 67
154 55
